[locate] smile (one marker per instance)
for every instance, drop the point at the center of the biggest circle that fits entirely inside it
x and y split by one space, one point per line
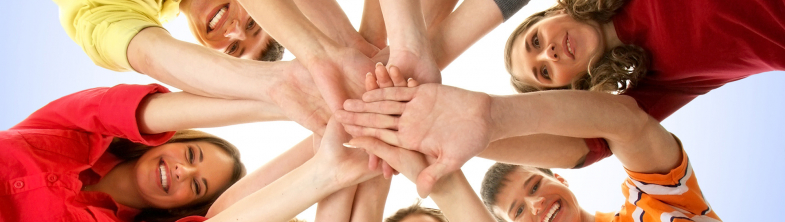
217 18
568 46
164 175
555 208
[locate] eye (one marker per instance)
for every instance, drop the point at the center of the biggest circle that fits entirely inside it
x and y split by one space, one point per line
233 48
190 154
544 73
535 187
251 25
536 40
196 187
519 212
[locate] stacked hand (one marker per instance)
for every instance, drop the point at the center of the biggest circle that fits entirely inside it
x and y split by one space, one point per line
443 122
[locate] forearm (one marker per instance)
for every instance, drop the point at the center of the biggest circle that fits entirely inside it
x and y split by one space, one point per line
164 112
372 27
337 206
472 20
405 24
283 199
370 199
458 201
571 113
263 176
540 150
328 16
435 11
198 70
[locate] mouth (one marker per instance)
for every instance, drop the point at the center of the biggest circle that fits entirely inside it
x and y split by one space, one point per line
552 212
219 17
568 49
164 175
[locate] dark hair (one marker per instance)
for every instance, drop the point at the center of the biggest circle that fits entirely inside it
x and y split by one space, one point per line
127 151
273 52
494 181
616 71
415 209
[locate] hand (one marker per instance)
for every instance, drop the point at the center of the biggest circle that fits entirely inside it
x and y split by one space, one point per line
448 123
347 166
340 75
409 163
418 65
300 100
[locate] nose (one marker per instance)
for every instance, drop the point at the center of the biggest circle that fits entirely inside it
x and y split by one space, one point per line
535 204
183 172
550 53
234 31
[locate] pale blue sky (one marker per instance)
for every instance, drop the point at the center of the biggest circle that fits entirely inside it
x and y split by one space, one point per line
731 134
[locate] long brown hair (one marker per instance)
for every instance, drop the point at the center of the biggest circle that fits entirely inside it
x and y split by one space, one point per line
127 150
615 71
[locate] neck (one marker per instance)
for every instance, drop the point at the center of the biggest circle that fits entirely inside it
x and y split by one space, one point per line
586 216
120 184
611 39
184 5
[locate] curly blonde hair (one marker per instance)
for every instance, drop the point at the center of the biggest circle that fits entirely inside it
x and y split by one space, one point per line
615 71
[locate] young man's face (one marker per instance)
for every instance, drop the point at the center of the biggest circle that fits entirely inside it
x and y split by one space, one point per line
224 25
532 196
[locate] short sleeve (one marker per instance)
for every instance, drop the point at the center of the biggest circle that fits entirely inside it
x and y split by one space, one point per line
192 219
104 28
598 150
510 7
105 111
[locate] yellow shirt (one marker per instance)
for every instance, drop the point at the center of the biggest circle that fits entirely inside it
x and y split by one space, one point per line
104 28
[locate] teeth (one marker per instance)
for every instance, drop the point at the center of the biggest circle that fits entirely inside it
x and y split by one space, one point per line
569 48
164 181
217 17
552 212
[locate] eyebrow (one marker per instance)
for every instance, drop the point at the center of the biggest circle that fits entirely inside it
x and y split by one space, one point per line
534 73
526 42
201 154
264 51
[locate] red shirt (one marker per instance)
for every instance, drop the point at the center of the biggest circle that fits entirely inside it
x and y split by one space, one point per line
47 158
696 46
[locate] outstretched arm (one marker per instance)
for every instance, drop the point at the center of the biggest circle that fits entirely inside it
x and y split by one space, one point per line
409 47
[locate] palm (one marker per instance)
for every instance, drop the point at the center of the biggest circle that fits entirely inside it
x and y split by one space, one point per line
343 77
301 102
350 165
420 67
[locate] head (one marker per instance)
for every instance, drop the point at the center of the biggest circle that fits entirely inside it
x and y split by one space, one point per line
523 193
417 213
226 26
183 176
567 47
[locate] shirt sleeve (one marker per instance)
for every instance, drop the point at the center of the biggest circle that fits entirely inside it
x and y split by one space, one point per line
192 219
510 7
104 28
105 111
598 150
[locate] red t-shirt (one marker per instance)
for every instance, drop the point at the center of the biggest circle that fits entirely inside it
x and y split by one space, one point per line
47 158
699 45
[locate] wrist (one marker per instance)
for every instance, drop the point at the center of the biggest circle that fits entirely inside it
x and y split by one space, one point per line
497 111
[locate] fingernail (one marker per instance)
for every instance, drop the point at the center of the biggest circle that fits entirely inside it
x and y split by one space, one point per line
409 80
379 64
347 145
368 74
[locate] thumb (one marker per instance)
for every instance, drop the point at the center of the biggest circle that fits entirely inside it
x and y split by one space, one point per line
429 176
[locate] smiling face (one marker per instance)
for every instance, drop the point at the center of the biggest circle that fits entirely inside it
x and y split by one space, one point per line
530 195
555 51
179 174
224 25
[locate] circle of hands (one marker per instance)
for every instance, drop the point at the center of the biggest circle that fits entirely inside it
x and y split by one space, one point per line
423 131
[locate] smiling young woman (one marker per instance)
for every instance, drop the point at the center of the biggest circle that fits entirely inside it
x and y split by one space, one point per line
121 154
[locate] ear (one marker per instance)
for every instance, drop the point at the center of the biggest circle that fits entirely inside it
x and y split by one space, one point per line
561 179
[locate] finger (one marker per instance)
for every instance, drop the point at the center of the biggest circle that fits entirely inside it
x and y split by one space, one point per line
403 160
373 161
428 177
387 170
412 83
370 82
380 107
385 135
372 120
383 77
391 94
396 77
